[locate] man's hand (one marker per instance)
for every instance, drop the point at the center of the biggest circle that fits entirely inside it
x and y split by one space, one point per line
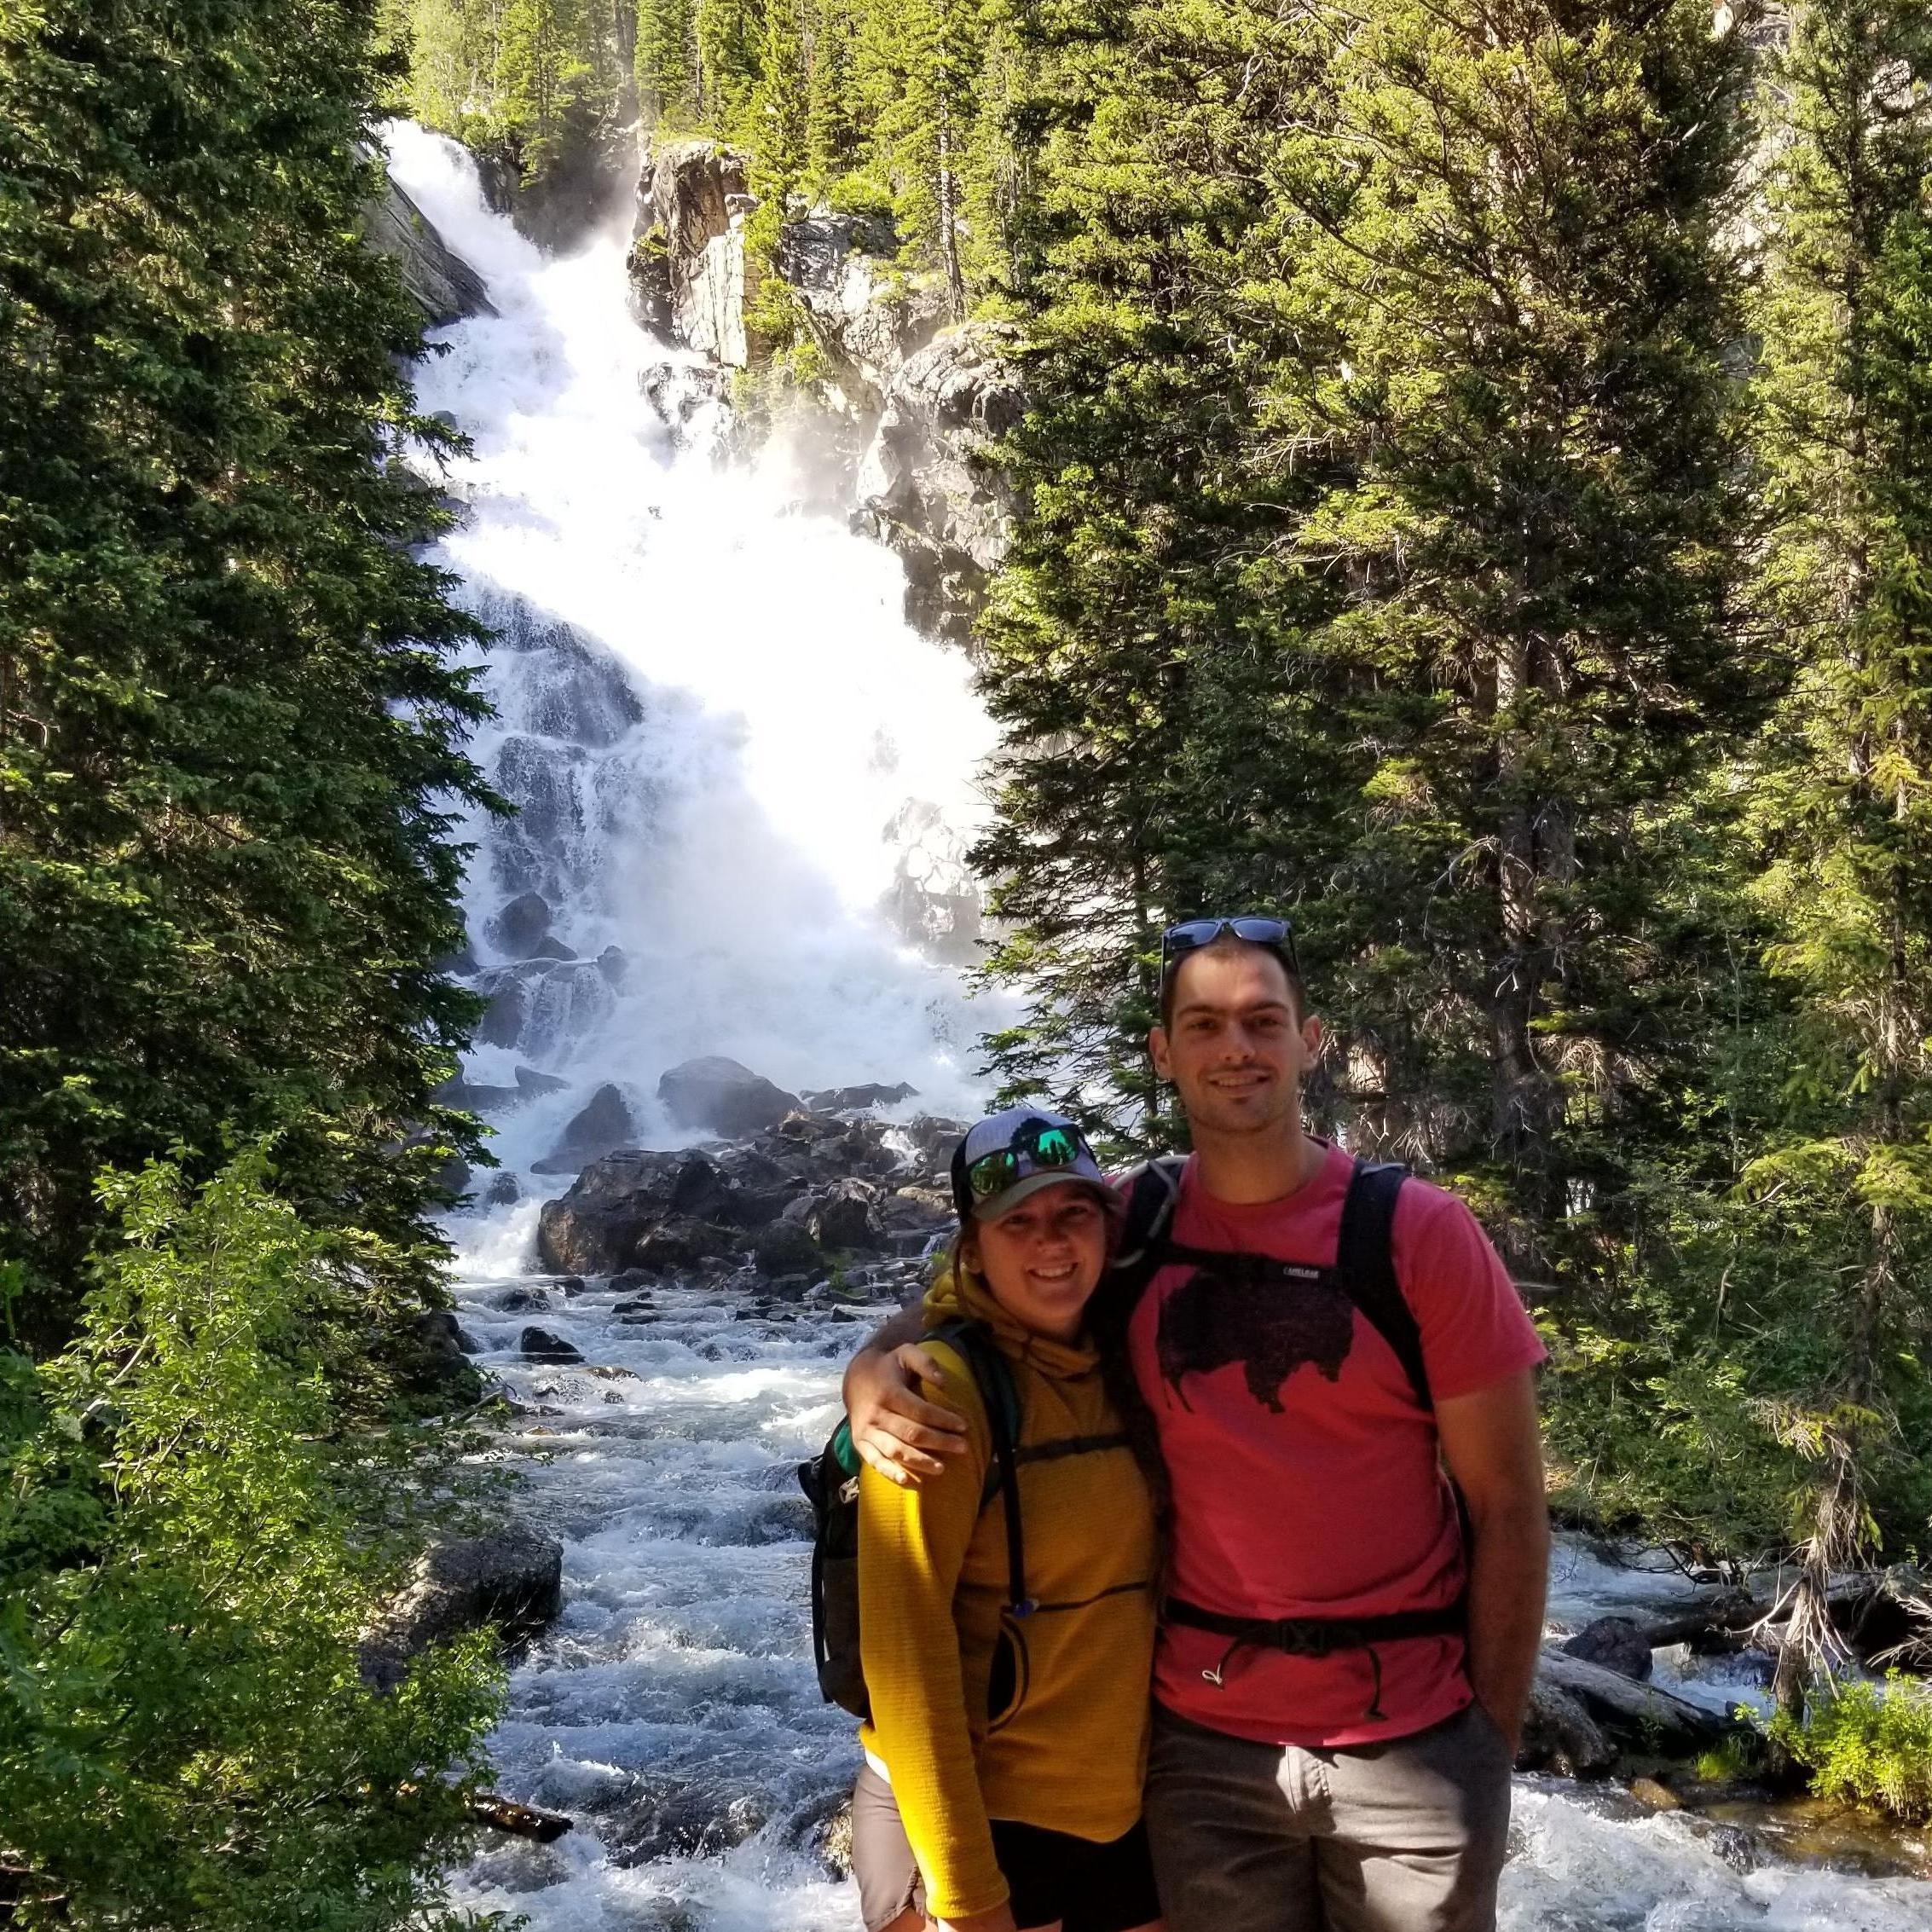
898 1433
1492 1447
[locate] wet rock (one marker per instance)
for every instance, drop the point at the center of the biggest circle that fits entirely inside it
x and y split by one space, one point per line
513 1578
934 901
503 1189
629 1278
552 949
452 1177
681 1242
1656 1794
502 1023
1615 1642
783 1249
1631 1712
445 1344
930 485
474 1097
722 1097
436 279
836 1100
523 1301
614 963
638 1305
532 1084
521 926
1559 1735
540 1345
459 965
594 1227
844 1216
600 1127
572 1284
699 1192
581 694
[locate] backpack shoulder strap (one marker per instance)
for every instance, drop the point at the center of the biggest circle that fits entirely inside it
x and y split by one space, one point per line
993 1376
1152 1191
1366 1271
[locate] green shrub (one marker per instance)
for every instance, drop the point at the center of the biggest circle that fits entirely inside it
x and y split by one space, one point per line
1868 1745
186 1562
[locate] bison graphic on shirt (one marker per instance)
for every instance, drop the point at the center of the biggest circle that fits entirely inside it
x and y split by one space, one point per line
1271 1322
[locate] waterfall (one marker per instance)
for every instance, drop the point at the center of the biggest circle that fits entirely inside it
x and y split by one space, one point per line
744 784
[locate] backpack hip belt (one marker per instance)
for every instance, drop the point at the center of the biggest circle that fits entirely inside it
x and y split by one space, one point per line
1317 1636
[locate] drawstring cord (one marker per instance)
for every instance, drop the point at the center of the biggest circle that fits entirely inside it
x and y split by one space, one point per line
1375 1714
1217 1675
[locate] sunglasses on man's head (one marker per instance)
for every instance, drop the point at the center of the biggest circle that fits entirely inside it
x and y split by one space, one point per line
1189 936
1043 1145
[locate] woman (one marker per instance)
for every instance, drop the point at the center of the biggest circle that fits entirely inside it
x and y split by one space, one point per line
1001 1789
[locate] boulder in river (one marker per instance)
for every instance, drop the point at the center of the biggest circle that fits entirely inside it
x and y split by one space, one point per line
601 1127
844 1216
1615 1642
838 1100
1559 1735
595 1227
540 1345
513 1578
722 1097
522 925
680 1242
786 1247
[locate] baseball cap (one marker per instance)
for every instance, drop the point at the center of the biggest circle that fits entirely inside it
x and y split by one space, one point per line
1008 1156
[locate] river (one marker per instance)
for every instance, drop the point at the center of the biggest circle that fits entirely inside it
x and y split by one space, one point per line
731 753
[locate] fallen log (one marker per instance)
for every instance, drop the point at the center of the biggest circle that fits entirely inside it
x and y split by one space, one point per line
1632 1713
520 1820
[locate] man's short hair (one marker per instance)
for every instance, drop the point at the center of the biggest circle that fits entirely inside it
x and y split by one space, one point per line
1298 999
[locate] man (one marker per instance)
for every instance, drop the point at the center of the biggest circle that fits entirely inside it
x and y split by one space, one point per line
1345 1653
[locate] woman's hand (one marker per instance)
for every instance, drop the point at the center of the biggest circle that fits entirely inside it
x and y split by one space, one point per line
898 1433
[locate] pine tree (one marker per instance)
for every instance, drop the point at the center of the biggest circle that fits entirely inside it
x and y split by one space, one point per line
917 67
1133 646
777 119
1844 804
729 34
832 114
667 64
1513 314
230 735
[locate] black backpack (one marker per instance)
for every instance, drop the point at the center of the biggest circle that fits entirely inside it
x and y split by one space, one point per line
830 1482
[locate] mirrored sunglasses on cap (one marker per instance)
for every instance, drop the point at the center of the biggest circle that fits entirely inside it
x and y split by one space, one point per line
1189 936
1040 1146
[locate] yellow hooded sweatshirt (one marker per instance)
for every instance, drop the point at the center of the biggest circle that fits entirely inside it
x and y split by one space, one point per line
1056 1737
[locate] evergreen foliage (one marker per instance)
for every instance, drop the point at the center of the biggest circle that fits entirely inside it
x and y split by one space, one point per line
230 734
186 1545
1843 793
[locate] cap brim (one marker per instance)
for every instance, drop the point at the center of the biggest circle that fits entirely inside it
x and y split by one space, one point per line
997 1207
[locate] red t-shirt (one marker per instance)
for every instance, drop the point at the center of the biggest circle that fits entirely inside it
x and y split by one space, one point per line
1333 1502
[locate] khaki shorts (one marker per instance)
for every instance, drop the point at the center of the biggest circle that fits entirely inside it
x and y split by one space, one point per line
1083 1886
1406 1835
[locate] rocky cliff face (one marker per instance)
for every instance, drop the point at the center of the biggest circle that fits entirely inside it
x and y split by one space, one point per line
914 407
929 484
689 268
443 285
